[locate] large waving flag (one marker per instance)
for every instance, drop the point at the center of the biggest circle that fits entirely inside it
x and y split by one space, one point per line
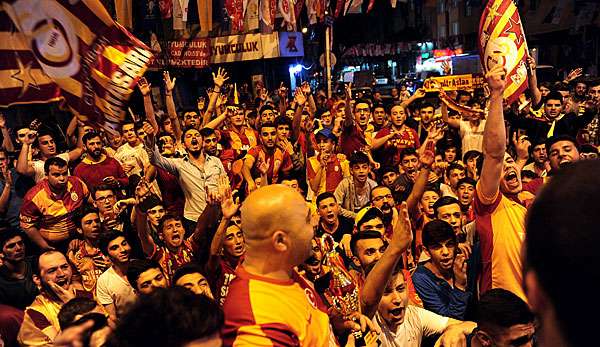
73 50
502 41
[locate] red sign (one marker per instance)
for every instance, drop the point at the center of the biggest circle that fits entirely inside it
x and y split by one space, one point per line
447 52
185 54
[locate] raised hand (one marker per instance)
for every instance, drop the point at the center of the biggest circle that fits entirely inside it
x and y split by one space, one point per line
282 91
228 206
30 137
2 121
150 138
348 88
8 179
169 83
460 271
402 236
496 79
420 93
299 97
531 62
305 87
446 68
144 86
575 73
220 78
521 145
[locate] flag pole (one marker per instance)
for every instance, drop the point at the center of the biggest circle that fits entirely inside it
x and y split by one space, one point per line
328 30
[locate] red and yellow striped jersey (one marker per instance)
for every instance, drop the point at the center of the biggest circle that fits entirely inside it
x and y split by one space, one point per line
260 311
500 224
51 214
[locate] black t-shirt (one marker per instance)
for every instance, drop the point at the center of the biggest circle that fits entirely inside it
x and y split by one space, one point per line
345 226
17 293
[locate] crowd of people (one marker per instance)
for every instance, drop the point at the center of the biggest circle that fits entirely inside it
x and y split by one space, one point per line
294 219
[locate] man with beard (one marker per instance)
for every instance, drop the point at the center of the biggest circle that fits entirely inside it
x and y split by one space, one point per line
442 280
197 172
53 276
539 165
88 260
500 204
354 192
392 140
48 208
266 154
16 272
97 168
113 291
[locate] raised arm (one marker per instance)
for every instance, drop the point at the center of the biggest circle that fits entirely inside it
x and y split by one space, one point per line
171 110
248 163
381 273
494 136
219 79
23 167
455 123
145 89
426 157
299 101
349 114
154 155
419 93
7 140
536 95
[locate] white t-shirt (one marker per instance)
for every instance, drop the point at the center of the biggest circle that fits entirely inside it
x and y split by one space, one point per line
471 139
113 289
135 156
38 166
418 322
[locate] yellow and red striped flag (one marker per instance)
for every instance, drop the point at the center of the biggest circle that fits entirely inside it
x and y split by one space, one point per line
502 41
69 49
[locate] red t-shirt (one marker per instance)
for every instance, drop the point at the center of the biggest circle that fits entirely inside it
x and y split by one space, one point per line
391 150
353 139
278 161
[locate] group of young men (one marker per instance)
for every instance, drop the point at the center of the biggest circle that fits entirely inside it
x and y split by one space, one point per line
298 220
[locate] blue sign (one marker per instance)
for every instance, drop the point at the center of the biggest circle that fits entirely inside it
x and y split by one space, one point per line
291 44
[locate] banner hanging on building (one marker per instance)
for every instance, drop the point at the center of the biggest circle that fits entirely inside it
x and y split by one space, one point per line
185 54
502 41
291 44
79 48
227 49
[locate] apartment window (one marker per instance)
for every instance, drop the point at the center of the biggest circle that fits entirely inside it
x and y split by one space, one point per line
455 29
468 10
442 31
441 6
454 3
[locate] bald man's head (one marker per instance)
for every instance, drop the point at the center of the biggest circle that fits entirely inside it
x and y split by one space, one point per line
276 219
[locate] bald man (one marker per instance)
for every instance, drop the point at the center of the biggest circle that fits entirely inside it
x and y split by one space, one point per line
269 303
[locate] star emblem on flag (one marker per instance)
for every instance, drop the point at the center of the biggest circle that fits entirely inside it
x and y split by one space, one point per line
514 27
24 76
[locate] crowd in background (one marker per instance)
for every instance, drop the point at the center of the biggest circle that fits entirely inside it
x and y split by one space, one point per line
240 220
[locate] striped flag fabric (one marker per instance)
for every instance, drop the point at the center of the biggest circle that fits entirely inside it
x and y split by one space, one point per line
22 80
502 41
73 50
